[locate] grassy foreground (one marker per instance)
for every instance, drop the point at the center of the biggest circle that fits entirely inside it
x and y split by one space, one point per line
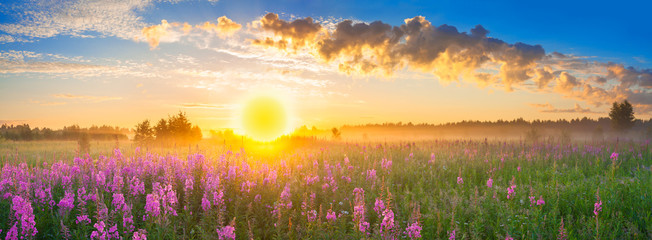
428 189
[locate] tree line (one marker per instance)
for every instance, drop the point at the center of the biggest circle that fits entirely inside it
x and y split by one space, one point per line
176 129
23 132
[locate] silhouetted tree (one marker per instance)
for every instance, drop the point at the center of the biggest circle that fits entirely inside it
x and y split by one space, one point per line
161 130
84 143
144 133
532 135
177 129
622 116
336 133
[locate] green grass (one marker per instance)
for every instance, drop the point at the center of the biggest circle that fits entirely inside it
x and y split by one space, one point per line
566 177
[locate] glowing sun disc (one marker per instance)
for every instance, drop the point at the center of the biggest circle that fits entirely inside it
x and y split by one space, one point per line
264 118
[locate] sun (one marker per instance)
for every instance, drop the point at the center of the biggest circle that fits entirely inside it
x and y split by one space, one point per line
264 118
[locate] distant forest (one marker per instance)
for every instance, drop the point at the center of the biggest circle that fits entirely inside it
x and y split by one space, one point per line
584 128
23 132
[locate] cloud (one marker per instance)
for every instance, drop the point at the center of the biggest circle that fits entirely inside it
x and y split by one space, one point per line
548 108
566 82
172 32
42 103
44 19
377 48
295 34
48 67
208 106
85 98
224 27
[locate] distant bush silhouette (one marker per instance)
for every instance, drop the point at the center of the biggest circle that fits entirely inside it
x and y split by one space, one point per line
144 134
622 116
337 134
176 129
24 132
84 143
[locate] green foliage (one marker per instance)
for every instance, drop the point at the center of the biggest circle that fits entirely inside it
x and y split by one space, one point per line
622 116
144 134
176 129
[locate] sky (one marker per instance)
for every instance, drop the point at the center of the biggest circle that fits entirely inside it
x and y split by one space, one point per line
329 62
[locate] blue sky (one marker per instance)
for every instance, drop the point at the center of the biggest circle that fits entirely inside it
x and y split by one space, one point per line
74 57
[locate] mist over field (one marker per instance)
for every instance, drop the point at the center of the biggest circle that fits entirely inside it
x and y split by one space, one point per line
355 119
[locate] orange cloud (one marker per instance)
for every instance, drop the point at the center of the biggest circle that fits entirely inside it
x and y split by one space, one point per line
295 34
548 108
224 27
172 32
153 34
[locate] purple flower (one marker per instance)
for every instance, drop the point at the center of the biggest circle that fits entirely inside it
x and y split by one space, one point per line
139 236
285 197
460 180
205 204
152 205
371 175
83 219
452 235
510 191
414 230
12 234
189 185
66 204
119 202
312 215
387 224
100 232
330 215
490 183
614 156
540 201
136 187
379 206
24 214
386 164
597 207
227 232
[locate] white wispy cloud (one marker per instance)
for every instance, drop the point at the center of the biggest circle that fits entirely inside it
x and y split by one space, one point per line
85 98
81 18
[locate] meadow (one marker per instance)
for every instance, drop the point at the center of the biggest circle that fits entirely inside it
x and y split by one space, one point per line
431 189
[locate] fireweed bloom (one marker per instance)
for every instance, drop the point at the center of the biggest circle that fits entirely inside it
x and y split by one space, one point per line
540 201
359 210
460 180
490 183
139 236
330 215
452 235
226 233
597 207
24 214
67 203
371 175
614 156
387 224
414 230
510 191
83 219
379 206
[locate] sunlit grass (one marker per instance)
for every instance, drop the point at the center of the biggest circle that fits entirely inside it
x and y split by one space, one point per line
438 186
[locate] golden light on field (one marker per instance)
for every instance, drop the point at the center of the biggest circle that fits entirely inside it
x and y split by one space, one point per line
264 118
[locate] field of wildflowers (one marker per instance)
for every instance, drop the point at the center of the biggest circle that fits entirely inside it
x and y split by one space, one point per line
440 189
